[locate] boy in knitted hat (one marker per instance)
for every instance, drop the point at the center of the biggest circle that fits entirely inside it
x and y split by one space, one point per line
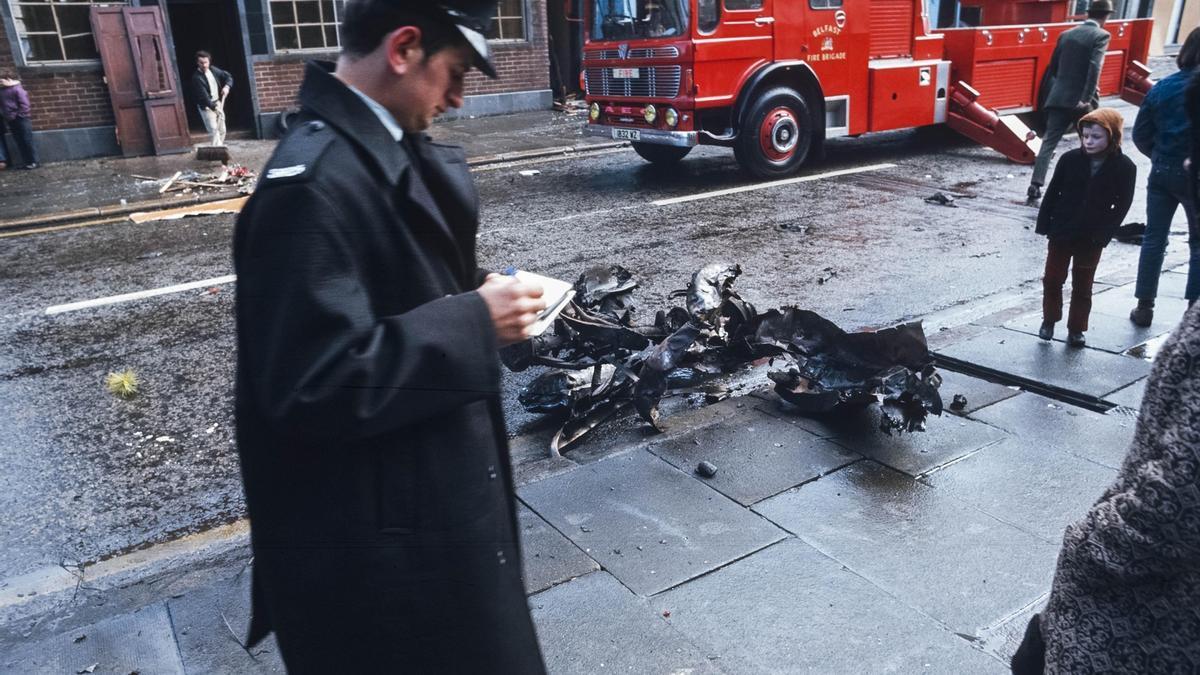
1084 205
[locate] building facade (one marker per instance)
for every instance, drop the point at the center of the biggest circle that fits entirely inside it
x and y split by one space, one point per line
264 44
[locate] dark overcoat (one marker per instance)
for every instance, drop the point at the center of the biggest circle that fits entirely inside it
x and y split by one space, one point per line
1075 66
373 449
1080 206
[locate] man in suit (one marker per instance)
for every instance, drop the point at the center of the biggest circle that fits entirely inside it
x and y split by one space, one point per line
210 87
370 431
1072 76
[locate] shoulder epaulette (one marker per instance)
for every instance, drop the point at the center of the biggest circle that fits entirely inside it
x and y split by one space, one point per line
296 157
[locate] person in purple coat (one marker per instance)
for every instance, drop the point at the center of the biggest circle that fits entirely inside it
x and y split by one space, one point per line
14 108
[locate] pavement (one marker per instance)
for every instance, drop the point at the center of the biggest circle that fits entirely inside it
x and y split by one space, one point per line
818 546
117 186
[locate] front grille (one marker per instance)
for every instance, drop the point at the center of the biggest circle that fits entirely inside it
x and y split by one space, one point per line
639 53
655 82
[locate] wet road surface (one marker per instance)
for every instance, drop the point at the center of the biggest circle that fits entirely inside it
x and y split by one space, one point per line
87 474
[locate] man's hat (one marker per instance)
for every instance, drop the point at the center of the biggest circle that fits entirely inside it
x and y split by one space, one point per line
1098 6
473 18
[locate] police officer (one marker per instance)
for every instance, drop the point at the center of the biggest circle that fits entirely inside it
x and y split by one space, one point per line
373 449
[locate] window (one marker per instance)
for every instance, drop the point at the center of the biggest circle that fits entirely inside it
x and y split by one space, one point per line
824 4
305 24
707 15
509 22
734 5
54 32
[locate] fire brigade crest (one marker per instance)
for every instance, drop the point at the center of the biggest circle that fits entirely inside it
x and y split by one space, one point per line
827 44
623 51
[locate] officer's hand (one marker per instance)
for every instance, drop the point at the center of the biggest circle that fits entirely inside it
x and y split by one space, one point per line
514 306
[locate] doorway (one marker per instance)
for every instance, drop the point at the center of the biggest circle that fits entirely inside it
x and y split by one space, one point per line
212 26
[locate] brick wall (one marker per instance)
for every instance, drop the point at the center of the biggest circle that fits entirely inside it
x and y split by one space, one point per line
522 66
277 83
61 99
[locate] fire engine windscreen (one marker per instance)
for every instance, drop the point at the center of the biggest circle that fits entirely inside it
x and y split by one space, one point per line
632 19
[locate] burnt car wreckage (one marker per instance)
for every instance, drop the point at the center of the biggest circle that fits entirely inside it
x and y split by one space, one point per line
603 363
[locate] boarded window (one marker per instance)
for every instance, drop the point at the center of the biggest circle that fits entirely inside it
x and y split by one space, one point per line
50 32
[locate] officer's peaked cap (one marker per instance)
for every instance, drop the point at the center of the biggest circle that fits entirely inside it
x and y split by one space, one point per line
473 18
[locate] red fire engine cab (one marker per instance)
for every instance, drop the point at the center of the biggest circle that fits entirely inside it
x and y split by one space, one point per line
774 78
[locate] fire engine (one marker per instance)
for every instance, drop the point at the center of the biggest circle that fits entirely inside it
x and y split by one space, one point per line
774 78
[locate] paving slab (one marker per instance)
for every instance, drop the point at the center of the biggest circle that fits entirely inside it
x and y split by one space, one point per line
595 625
211 625
1117 302
649 524
549 557
769 403
1044 423
980 393
932 551
756 457
1087 371
1003 640
1131 396
945 439
1038 489
1171 284
141 641
1106 333
790 609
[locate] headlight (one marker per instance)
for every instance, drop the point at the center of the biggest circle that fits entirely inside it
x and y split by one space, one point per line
671 117
650 113
594 111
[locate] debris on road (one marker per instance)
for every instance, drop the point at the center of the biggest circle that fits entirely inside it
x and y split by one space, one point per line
123 384
530 173
230 177
941 199
211 208
706 469
603 363
959 403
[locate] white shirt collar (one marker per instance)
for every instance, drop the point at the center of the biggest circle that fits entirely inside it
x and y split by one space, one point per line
386 118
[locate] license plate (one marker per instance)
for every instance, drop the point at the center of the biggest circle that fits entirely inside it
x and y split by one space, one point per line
627 134
626 73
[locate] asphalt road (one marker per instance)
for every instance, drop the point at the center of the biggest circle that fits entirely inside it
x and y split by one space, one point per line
87 475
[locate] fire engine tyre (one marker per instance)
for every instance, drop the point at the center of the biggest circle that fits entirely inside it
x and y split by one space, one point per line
660 154
776 135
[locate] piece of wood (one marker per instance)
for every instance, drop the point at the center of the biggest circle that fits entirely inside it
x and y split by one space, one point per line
168 184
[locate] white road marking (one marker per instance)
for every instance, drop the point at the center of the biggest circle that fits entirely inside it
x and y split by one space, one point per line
126 297
772 184
114 299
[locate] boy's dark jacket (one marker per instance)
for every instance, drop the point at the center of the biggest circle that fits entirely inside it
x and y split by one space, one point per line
1078 205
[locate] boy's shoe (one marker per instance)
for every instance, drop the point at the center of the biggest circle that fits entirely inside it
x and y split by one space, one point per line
1046 332
1141 315
1075 339
30 167
1034 192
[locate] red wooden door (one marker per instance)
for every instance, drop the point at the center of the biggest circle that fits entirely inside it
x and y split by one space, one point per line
141 80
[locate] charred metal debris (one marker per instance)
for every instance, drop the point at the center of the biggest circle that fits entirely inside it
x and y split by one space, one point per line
603 363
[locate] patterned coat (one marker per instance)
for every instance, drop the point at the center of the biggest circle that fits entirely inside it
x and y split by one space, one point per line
1126 595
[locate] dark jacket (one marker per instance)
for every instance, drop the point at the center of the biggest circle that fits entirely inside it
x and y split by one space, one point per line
14 102
1075 66
369 425
201 95
1162 130
1192 106
1078 205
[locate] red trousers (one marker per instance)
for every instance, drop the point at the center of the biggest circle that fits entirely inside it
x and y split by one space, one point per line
1059 255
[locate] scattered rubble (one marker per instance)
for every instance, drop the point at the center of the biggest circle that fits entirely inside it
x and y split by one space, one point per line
959 403
604 363
706 469
941 199
232 177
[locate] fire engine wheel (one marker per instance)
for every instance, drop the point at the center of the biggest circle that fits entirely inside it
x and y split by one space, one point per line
776 135
660 154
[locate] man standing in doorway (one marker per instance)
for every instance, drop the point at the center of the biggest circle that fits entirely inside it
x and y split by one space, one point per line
1070 85
210 86
369 423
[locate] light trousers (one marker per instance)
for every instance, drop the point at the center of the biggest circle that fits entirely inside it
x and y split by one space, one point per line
214 123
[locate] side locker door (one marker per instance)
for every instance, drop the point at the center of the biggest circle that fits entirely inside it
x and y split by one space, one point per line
732 47
156 77
124 89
